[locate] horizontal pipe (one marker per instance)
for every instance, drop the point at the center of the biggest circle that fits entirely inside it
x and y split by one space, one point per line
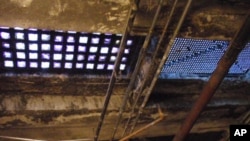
226 61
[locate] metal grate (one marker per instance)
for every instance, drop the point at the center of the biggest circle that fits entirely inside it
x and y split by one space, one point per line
35 50
193 56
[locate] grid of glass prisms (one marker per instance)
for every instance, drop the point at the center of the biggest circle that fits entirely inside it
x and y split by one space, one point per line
196 56
34 49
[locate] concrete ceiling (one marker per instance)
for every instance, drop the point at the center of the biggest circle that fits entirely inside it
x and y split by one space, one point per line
64 107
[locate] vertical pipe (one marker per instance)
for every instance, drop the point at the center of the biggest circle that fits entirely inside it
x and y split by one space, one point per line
226 61
137 67
112 79
163 60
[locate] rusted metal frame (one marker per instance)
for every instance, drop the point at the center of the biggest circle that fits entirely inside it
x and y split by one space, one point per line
130 86
135 73
165 29
161 117
113 77
165 56
224 64
142 55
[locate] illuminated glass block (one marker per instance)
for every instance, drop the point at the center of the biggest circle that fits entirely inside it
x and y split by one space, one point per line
90 66
102 58
124 59
117 42
107 41
79 65
122 67
104 50
129 42
70 48
57 65
126 51
58 48
93 49
18 28
7 54
45 56
45 65
58 38
110 67
20 46
32 37
112 58
71 31
68 65
20 55
19 36
96 33
6 45
33 64
114 50
33 47
9 64
4 27
80 57
32 29
100 66
95 40
91 57
45 37
5 35
21 64
69 57
70 39
57 56
45 47
33 55
83 40
81 49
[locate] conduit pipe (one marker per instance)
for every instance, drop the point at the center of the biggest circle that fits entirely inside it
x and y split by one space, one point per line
113 76
163 60
161 117
137 67
224 64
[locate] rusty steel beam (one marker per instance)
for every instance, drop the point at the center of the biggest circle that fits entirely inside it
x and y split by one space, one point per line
237 44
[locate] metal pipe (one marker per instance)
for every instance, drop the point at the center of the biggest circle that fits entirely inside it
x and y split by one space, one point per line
224 64
130 86
165 28
113 78
159 44
137 67
140 59
161 117
165 56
